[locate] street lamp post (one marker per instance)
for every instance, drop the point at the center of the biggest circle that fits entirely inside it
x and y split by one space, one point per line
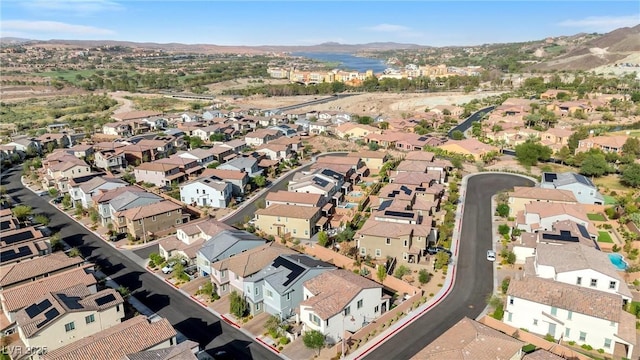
344 318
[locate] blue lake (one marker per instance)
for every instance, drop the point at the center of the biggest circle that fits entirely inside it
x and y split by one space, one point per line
347 61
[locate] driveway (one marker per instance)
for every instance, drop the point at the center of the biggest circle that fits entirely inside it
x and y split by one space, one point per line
188 317
474 276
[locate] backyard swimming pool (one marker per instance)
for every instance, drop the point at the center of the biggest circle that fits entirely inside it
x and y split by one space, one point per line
355 194
618 261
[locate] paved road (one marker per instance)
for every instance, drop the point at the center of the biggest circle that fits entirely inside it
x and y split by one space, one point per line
476 116
185 315
474 278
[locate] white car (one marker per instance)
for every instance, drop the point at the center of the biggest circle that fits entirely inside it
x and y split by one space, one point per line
168 268
491 255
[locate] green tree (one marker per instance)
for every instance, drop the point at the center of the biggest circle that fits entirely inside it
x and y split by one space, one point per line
563 154
529 153
401 271
314 340
504 286
502 210
594 164
457 135
53 192
504 229
631 146
373 146
66 201
260 181
631 175
442 259
41 219
56 242
424 276
323 238
21 212
237 304
272 325
381 273
217 137
74 252
195 142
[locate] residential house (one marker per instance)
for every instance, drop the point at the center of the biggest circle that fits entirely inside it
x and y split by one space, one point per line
277 288
355 131
212 115
59 167
275 151
470 339
186 350
65 316
206 132
563 232
162 146
229 274
585 191
222 153
120 199
189 238
187 166
580 265
189 117
25 144
611 143
87 190
23 244
238 179
294 144
351 168
468 147
224 244
249 165
320 127
325 182
399 237
138 154
206 191
118 129
237 145
416 142
200 155
572 313
110 160
299 222
146 221
21 296
539 216
293 198
15 274
261 136
158 174
135 115
386 140
123 341
372 159
339 301
556 137
413 178
53 141
523 195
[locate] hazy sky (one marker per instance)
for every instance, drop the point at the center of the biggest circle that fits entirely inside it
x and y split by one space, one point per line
436 23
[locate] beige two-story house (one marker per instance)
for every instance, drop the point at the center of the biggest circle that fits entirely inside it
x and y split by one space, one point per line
523 195
145 221
279 220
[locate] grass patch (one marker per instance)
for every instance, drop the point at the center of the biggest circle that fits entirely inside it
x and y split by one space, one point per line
610 200
611 182
634 308
67 75
596 217
605 237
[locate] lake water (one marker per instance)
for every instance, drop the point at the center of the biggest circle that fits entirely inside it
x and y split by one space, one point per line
346 61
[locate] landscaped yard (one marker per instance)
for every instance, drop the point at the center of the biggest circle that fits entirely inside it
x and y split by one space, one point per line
610 182
609 200
605 237
596 217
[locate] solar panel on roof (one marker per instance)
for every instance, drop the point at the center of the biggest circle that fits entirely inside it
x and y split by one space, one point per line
583 180
4 225
320 181
12 254
18 237
563 236
36 309
550 177
405 189
294 270
105 299
422 138
49 315
583 231
421 189
399 214
71 302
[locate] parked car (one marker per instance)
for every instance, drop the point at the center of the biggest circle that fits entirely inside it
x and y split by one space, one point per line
42 193
437 249
117 237
171 264
57 200
491 255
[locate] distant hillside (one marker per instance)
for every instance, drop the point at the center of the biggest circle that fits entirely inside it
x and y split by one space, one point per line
603 50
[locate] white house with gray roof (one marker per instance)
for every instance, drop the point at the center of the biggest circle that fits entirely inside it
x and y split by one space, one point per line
126 200
577 264
87 190
582 187
224 245
277 288
571 313
206 191
242 163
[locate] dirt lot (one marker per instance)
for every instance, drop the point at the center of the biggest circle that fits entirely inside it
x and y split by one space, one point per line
372 104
